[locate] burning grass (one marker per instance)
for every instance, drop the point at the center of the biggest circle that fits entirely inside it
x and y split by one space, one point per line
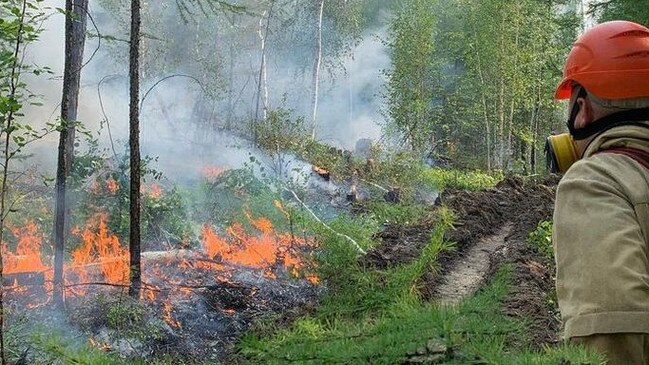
194 302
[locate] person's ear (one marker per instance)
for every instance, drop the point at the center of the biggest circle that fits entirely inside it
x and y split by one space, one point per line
585 115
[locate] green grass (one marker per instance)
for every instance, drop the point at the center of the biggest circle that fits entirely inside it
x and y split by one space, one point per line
441 179
473 332
401 214
372 316
354 290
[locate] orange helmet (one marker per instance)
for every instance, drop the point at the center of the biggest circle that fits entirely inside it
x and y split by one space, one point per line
610 60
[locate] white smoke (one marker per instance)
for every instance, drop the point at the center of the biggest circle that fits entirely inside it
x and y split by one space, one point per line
172 124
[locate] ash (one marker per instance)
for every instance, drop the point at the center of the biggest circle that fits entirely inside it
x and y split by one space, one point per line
190 315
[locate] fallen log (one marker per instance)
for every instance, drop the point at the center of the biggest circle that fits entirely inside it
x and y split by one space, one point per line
150 259
351 240
23 278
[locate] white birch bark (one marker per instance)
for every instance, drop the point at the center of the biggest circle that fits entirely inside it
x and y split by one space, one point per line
316 68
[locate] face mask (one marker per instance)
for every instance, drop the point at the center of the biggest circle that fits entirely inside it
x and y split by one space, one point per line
560 152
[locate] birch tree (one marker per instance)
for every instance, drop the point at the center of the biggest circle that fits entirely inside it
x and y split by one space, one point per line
414 77
508 51
262 85
317 65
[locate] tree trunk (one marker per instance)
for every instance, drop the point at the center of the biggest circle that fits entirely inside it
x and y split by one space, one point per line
485 114
535 131
487 132
501 118
262 90
233 51
75 38
134 144
509 152
316 68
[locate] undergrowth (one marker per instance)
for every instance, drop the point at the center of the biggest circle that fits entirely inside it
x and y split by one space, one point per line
464 180
400 169
541 239
473 332
371 316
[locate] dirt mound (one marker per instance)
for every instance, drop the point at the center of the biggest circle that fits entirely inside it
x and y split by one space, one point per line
478 215
483 213
401 244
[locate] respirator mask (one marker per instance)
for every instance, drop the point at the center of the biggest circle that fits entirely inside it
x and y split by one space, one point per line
561 150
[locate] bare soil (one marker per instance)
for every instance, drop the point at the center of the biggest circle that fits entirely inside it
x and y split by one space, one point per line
469 272
491 230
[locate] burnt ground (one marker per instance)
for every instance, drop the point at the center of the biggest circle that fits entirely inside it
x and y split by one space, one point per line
491 230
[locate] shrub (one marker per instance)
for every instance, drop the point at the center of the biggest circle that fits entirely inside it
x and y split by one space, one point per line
541 239
442 179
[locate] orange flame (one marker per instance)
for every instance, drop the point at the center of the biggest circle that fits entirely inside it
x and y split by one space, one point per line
167 317
101 259
28 251
112 185
155 191
264 251
212 172
278 204
100 345
100 249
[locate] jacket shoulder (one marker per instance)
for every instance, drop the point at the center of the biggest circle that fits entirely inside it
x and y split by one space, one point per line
621 173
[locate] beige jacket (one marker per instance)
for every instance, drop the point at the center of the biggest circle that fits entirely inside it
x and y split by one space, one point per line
601 225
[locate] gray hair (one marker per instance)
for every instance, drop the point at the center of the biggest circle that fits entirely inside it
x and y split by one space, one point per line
620 104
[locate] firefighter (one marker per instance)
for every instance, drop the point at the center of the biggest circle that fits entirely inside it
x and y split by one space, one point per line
601 216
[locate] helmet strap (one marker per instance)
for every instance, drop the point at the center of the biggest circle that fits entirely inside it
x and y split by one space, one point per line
575 110
627 117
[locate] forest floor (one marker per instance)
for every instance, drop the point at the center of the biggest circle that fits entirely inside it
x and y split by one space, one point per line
490 230
487 297
452 280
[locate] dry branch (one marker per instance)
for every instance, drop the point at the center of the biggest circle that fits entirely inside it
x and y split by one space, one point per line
351 240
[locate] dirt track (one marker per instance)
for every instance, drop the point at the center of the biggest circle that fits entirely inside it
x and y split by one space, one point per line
468 272
491 230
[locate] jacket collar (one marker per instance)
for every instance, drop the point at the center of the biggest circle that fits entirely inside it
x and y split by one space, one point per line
630 136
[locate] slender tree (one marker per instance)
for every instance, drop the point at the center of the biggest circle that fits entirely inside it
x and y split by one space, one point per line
8 120
17 29
75 37
262 86
134 145
317 65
